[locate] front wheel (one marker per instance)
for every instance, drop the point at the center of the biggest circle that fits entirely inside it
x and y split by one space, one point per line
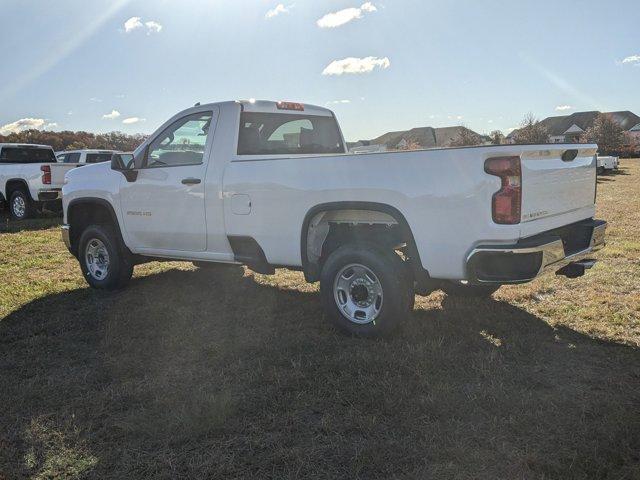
104 261
365 290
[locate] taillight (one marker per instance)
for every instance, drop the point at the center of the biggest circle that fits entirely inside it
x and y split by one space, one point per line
46 174
506 203
290 106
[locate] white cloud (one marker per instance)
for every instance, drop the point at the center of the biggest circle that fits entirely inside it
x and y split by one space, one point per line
112 115
135 23
132 120
337 102
632 59
280 8
153 27
562 108
24 124
336 19
132 24
95 99
356 65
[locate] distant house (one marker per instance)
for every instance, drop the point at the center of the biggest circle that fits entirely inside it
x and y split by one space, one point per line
634 132
423 137
570 128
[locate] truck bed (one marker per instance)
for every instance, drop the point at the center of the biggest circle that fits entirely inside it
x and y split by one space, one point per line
444 194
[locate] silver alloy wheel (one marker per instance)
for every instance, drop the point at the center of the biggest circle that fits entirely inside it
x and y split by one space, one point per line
19 206
358 293
97 259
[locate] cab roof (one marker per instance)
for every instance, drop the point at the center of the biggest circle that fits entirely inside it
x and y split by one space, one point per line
87 150
270 106
25 145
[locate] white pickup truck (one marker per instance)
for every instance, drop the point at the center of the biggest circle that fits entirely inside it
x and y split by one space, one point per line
607 164
30 177
270 184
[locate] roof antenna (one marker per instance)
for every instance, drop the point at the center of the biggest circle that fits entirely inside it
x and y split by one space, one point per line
197 104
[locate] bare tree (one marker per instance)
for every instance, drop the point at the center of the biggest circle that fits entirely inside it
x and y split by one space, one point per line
608 134
410 145
497 137
531 131
466 138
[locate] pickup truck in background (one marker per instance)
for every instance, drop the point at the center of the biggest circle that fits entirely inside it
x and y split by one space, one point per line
270 185
607 164
30 178
83 157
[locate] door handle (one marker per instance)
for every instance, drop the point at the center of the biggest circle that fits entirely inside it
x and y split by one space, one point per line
191 181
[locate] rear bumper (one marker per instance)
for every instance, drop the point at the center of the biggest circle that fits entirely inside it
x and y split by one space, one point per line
49 195
531 256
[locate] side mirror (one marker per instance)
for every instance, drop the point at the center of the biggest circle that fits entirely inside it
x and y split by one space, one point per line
124 162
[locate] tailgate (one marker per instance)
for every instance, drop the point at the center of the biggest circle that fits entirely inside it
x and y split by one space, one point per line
552 185
58 171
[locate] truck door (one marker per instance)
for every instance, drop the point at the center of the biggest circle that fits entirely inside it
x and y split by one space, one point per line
164 208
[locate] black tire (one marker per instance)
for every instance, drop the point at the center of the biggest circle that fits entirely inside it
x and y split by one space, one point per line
397 291
600 170
120 266
454 289
21 206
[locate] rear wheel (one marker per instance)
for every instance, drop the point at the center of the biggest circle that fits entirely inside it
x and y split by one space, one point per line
21 206
103 259
600 170
365 290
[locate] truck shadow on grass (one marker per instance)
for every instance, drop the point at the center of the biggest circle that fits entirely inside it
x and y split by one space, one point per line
43 221
207 374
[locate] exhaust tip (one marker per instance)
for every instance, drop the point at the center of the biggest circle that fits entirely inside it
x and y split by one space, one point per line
576 269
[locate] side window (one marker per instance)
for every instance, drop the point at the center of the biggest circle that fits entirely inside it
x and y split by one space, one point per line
72 158
182 143
62 158
98 157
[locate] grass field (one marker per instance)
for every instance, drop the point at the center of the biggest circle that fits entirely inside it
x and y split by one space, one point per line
197 374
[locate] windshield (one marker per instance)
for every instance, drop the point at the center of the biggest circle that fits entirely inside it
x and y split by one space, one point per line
286 134
27 155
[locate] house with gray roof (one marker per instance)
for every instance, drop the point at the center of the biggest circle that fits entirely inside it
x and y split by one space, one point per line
569 128
424 137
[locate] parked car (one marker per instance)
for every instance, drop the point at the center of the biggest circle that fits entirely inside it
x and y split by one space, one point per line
607 164
30 178
85 156
270 184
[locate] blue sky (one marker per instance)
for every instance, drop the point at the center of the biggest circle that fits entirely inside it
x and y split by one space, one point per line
72 64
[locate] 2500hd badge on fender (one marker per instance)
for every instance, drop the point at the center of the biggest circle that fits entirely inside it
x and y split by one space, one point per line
270 184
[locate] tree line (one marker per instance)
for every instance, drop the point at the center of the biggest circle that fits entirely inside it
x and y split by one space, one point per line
67 140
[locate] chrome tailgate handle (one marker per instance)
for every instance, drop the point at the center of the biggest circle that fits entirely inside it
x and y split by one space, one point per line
191 181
